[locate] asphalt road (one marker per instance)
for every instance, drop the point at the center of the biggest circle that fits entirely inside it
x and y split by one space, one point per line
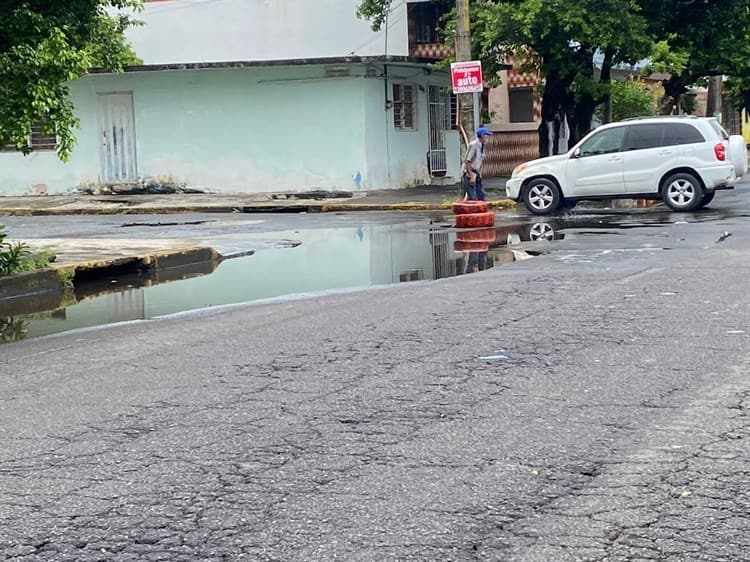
589 404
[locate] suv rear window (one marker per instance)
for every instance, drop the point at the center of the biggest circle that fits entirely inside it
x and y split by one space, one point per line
681 133
653 135
719 130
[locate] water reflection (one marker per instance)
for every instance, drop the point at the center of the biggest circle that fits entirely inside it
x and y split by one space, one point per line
320 260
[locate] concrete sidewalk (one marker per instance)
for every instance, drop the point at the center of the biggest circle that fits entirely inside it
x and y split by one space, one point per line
422 198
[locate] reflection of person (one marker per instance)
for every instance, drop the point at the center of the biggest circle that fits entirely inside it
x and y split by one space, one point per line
472 178
476 262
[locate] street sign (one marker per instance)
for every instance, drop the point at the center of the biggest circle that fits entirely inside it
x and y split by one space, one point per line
467 77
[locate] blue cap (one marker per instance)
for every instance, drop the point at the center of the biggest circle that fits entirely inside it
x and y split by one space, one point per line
483 131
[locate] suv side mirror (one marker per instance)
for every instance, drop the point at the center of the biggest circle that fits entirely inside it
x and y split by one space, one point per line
576 153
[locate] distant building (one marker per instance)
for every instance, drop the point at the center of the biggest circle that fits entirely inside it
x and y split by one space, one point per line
258 96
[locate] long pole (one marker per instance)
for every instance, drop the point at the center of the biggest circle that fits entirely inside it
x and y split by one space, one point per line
713 101
463 53
388 103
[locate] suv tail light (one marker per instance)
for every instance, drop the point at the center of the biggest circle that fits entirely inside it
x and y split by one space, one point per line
721 151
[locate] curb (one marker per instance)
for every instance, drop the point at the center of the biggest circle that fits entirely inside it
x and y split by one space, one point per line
46 289
159 261
31 284
297 207
53 211
493 204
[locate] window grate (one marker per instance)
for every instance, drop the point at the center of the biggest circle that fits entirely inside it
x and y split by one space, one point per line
404 107
38 141
453 113
41 140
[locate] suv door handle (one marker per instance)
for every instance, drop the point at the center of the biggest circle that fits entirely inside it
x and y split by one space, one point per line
664 152
616 158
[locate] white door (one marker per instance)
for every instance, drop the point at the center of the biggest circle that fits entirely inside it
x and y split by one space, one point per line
599 167
117 129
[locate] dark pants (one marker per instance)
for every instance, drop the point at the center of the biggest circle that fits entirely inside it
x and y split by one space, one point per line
475 192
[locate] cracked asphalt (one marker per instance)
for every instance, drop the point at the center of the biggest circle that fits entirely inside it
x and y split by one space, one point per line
586 405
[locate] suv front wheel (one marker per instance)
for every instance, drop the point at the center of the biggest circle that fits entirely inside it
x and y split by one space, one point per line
682 192
542 196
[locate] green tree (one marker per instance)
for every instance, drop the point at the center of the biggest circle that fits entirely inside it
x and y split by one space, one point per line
559 39
688 39
631 98
698 38
46 44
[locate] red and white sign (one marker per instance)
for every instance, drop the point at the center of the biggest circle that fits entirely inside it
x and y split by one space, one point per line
467 77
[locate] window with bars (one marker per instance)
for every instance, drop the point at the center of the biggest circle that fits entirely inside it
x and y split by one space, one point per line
39 141
411 275
452 112
404 107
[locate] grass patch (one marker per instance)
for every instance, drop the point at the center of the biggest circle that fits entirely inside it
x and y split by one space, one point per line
17 257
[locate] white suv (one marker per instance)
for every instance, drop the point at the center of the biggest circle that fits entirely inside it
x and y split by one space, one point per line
681 160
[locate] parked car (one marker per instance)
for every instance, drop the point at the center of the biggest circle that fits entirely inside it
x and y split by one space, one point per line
682 160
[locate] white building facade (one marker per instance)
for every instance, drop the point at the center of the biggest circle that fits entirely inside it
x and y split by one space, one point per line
256 96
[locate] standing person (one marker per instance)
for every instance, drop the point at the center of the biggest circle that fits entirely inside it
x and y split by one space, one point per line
476 262
472 178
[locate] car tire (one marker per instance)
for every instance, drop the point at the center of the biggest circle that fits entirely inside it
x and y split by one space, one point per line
541 231
542 196
707 198
682 192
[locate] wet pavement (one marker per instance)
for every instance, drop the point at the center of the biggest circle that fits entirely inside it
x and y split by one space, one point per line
590 403
275 256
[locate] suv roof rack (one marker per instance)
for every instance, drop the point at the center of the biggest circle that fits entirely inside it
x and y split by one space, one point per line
661 117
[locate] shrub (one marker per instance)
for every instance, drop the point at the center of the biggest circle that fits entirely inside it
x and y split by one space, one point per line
15 257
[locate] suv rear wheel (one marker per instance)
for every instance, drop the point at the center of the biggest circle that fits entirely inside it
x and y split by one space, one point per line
542 196
682 192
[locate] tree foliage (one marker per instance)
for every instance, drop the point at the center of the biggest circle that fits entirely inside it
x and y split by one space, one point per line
375 11
46 44
688 39
631 98
561 39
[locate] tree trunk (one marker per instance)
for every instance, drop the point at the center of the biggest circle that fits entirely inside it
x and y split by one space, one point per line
583 115
606 78
555 101
674 89
713 101
564 120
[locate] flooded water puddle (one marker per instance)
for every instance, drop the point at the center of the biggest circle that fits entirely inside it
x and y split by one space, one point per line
265 265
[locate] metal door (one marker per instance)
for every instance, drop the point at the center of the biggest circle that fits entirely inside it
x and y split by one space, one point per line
439 111
117 129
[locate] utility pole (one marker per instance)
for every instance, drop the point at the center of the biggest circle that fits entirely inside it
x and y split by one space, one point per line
463 53
713 101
